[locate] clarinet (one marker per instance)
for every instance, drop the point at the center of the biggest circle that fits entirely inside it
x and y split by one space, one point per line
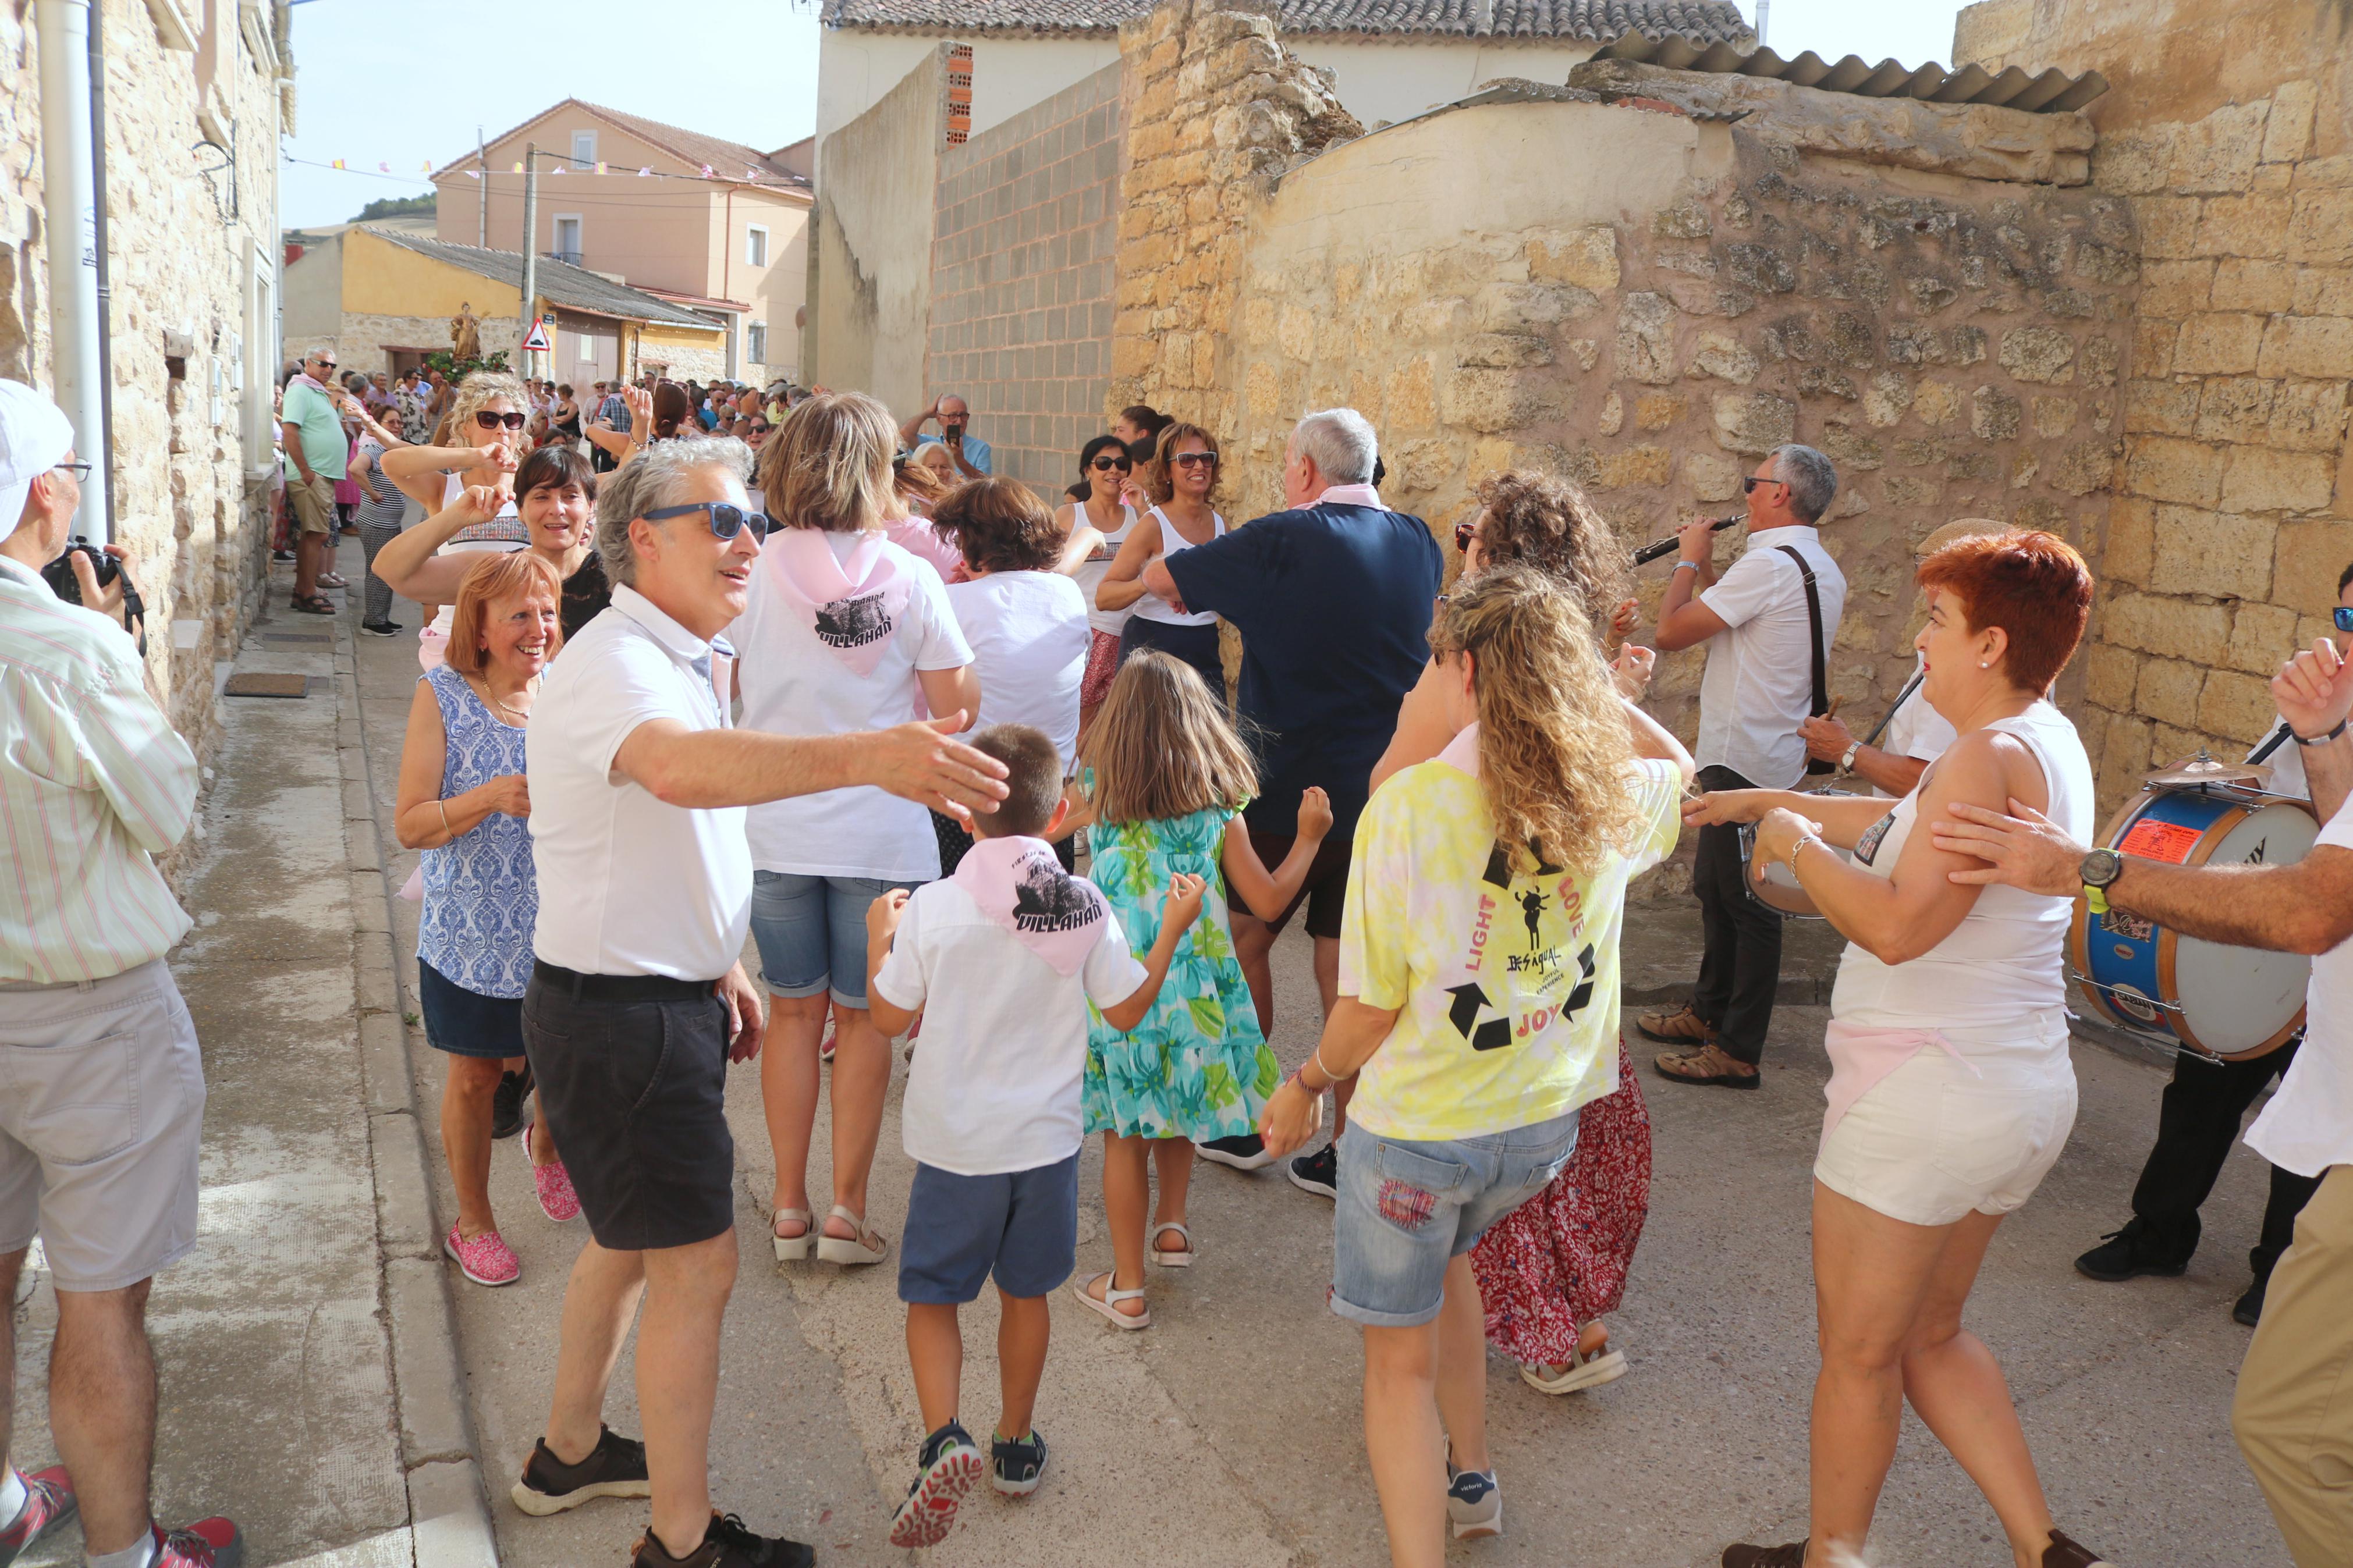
1663 547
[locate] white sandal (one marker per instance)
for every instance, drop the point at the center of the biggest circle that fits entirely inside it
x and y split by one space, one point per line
866 1247
793 1248
1183 1260
1584 1372
1107 1304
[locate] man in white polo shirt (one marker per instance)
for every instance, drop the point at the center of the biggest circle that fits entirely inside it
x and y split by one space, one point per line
1771 619
2293 1412
639 1001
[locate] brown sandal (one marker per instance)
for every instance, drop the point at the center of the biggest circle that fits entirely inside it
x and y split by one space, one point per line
1708 1067
2065 1554
1680 1028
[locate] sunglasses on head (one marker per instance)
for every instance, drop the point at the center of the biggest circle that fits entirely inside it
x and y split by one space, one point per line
489 421
726 519
1748 486
1105 465
2344 618
1195 459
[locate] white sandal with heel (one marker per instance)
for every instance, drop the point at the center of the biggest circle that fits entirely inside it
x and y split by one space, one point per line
793 1248
1107 1304
1178 1259
867 1247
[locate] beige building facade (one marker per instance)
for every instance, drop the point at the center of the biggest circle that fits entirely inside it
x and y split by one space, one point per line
709 224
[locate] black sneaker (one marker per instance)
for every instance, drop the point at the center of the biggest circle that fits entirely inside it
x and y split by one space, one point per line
1016 1465
2249 1308
615 1467
1318 1172
949 1464
2127 1254
281 555
729 1544
382 628
1246 1153
506 1104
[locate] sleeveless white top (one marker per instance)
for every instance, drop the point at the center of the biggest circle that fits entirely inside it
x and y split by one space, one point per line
1152 606
1090 574
501 536
2006 961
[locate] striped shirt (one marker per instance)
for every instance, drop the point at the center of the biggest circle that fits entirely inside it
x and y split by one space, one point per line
93 782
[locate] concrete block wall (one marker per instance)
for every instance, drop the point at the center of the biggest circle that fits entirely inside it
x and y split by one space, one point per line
1025 228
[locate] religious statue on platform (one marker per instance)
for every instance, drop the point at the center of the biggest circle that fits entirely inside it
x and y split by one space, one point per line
465 334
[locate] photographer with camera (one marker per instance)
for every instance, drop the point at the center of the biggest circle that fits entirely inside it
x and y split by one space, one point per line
99 1128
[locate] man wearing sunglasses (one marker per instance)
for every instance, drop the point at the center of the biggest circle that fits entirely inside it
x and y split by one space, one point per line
638 1000
1762 619
316 447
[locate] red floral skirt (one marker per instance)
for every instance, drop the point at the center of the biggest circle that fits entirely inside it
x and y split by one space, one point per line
1103 663
1560 1260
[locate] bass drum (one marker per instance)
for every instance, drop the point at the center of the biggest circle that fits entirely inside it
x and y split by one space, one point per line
2228 1003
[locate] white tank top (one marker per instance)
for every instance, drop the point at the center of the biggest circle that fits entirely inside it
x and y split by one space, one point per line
1090 574
501 536
2006 961
1152 606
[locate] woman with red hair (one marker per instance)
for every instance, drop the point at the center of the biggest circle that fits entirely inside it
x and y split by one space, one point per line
1951 1088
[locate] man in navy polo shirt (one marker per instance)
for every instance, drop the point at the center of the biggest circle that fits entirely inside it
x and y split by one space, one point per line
1333 598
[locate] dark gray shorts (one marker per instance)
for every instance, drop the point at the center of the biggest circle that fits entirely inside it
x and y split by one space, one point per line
635 1093
1022 1225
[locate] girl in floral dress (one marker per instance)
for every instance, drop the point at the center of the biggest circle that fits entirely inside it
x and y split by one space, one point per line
1164 780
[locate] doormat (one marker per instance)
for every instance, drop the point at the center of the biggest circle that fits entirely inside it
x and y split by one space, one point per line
254 684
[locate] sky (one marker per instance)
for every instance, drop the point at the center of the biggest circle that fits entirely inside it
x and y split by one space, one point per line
403 86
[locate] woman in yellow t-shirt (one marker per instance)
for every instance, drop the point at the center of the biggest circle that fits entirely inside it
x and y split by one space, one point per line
1478 1005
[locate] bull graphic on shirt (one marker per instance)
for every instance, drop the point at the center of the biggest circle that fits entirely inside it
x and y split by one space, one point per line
1048 899
853 623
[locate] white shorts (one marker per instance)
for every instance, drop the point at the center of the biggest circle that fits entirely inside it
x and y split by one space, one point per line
1933 1142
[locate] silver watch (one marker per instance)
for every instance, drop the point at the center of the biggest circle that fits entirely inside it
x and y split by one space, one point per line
1846 760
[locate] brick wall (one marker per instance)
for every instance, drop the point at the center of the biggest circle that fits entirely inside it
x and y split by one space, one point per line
1025 225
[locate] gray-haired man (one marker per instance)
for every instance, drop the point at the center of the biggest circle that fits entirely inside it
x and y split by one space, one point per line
1771 617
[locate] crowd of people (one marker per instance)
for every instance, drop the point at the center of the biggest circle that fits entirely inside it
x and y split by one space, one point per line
963 764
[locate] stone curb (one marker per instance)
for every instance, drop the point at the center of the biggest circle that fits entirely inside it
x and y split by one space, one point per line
449 1518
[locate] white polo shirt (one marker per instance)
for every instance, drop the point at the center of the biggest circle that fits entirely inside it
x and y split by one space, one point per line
2308 1125
1915 730
1759 682
629 885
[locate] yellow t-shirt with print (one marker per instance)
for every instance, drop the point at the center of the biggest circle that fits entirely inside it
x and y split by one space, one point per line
1505 985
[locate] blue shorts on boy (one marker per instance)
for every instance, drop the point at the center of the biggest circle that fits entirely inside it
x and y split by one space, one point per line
991 1114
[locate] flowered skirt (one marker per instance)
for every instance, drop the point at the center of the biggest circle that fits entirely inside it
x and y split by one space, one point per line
1103 663
1560 1260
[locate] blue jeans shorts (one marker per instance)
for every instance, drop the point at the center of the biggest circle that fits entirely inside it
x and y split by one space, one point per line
811 932
1022 1226
1406 1208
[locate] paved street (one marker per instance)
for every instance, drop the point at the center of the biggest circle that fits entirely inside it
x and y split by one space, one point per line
1228 1433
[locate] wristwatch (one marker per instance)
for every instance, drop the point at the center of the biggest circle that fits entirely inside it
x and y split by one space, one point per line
1846 759
2099 871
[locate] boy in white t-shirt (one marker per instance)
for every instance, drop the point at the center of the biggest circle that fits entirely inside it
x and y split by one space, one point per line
1001 959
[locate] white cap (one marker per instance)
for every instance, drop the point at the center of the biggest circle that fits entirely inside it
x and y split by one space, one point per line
35 436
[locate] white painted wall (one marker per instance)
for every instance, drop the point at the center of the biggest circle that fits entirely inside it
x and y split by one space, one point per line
855 69
1395 82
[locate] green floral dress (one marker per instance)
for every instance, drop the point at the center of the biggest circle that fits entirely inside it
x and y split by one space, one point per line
1196 1066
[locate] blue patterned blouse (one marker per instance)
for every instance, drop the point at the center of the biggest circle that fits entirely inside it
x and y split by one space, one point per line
481 897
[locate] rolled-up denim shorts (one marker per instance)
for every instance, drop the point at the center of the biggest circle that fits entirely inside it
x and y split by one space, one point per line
1406 1208
811 932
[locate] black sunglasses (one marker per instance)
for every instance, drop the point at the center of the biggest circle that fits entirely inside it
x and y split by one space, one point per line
1748 486
1105 465
1195 459
489 421
726 519
2343 616
761 429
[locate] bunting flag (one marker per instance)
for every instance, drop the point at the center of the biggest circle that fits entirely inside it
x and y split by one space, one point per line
473 174
600 165
384 167
517 169
706 172
336 164
645 174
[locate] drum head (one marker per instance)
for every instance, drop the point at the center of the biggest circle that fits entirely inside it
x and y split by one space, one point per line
2235 999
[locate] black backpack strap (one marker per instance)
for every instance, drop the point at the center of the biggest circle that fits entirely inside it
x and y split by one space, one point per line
1820 648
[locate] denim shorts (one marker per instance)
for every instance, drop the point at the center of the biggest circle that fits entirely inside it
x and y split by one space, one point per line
1022 1225
811 932
1406 1208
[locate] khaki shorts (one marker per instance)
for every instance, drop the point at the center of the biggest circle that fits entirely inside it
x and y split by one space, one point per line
315 503
102 1113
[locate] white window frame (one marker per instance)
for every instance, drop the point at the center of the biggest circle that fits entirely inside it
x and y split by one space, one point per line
755 240
583 161
755 343
555 236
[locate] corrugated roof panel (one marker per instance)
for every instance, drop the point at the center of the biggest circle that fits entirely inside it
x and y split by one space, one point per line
2051 92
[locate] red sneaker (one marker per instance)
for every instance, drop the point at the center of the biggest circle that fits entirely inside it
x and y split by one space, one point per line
207 1543
48 1502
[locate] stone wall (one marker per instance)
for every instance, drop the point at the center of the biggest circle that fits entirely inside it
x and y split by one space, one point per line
1024 230
1643 299
2229 132
192 265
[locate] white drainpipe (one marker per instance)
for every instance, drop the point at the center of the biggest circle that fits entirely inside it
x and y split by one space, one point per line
69 213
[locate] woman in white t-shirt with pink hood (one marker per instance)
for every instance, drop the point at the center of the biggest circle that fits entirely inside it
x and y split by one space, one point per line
1951 1088
842 631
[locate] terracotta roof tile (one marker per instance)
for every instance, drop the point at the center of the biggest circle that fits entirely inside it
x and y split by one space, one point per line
1697 21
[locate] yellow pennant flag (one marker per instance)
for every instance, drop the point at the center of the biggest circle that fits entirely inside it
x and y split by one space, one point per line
336 164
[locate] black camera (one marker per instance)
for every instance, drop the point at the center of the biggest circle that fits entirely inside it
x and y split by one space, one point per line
105 567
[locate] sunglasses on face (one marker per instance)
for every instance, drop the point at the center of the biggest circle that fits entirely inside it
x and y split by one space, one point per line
1195 459
1748 486
760 429
489 421
324 363
1105 465
726 519
2343 616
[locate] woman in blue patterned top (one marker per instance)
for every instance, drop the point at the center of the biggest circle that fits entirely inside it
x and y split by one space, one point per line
463 801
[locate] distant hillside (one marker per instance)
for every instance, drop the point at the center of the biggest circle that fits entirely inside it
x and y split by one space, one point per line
396 207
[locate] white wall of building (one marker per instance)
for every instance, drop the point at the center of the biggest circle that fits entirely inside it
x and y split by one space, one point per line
1392 82
856 69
